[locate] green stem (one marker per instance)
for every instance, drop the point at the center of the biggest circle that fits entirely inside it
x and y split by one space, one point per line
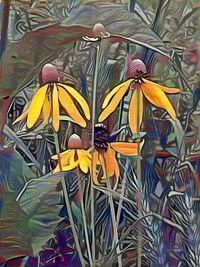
95 93
38 263
114 223
84 221
122 192
138 171
92 221
68 205
92 145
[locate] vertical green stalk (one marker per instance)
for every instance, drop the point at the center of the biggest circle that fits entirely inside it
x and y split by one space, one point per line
38 258
127 161
114 223
84 221
95 92
92 221
92 145
67 201
122 192
138 171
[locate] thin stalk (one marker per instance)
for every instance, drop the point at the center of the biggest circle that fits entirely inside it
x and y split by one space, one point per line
92 221
38 263
84 221
95 93
114 223
138 171
67 201
124 77
122 192
92 145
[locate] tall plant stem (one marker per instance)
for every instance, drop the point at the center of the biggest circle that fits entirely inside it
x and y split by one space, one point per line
95 93
114 223
93 221
38 258
138 171
68 205
84 221
113 217
122 192
92 145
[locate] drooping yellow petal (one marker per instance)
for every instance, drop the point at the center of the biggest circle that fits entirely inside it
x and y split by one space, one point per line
111 163
157 97
113 98
78 97
72 156
68 104
128 149
69 167
83 161
95 163
46 110
88 154
36 106
55 109
21 117
119 88
135 113
103 165
68 161
168 90
62 155
65 157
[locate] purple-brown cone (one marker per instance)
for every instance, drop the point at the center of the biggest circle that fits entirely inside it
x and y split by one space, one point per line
49 73
136 68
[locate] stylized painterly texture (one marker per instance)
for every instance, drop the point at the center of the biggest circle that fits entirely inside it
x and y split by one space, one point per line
99 141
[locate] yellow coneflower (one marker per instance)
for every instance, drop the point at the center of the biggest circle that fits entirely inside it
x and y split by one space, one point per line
143 88
107 160
104 154
75 156
45 102
88 160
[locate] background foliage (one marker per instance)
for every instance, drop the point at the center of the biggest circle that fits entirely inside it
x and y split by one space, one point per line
33 219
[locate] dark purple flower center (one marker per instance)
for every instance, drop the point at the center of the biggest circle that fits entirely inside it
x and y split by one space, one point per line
101 137
139 75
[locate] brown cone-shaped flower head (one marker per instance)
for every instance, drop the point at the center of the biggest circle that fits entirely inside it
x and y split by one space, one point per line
74 142
49 73
136 68
100 31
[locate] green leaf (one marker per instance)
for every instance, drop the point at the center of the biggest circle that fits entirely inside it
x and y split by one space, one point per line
41 200
178 134
66 118
14 170
77 212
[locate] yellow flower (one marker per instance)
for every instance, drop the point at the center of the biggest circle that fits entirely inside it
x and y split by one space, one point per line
107 159
143 88
88 160
104 154
45 102
75 156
